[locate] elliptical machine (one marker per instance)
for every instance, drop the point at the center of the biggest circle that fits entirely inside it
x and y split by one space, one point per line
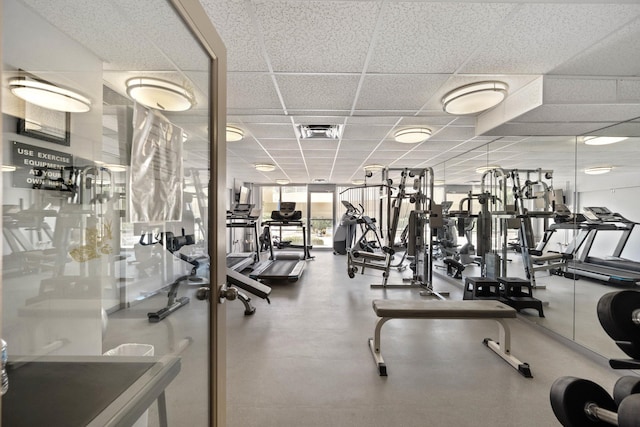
346 231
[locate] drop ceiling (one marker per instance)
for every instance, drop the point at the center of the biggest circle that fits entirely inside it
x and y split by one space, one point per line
377 66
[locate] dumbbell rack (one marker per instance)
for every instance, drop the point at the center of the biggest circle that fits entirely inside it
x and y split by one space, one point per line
578 402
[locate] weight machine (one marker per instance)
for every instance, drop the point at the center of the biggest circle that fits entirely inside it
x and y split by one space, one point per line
424 219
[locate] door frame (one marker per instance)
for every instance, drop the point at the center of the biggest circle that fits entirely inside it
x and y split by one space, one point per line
200 25
319 188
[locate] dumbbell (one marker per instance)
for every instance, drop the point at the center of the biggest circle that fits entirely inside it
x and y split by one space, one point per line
619 315
625 386
578 402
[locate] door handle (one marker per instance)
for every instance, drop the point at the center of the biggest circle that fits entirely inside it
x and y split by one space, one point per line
225 292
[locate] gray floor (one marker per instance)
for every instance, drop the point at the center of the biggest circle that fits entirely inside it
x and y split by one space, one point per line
304 360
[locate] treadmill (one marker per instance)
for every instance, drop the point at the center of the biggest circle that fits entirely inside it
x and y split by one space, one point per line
612 269
283 265
243 216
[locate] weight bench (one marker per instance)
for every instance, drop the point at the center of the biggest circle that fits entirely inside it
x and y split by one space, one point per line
474 309
248 284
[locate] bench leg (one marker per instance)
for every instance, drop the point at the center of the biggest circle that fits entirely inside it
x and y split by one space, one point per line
374 346
503 348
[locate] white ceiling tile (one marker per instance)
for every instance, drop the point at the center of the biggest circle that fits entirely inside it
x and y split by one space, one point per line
251 89
232 20
366 132
432 37
350 147
395 92
321 92
541 36
616 55
271 131
317 36
283 145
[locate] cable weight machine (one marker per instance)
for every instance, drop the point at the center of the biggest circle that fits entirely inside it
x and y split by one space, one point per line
424 218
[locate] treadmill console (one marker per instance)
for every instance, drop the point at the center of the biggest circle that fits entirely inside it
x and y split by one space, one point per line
602 214
287 212
243 211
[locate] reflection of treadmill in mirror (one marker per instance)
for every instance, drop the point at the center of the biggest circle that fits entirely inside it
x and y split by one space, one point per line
243 216
283 265
605 229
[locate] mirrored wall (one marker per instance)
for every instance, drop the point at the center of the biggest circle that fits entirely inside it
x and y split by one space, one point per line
579 198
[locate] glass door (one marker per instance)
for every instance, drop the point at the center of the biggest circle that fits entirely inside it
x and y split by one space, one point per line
110 155
321 218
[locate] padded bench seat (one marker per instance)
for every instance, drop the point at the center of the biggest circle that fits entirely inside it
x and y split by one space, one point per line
423 309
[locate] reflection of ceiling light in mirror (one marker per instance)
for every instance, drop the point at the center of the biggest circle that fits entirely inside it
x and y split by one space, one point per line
412 135
234 134
282 181
8 168
598 170
49 96
474 97
159 94
264 167
483 169
358 182
438 182
115 168
603 140
373 167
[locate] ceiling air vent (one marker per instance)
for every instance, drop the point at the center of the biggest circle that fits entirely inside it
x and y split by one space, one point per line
319 131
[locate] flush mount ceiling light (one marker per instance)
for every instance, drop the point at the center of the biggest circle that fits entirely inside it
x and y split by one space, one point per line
475 97
373 167
159 94
264 167
412 135
8 168
603 140
358 182
48 95
483 169
282 181
234 134
438 182
319 131
598 170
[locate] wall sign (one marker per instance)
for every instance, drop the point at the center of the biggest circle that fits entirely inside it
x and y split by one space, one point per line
38 167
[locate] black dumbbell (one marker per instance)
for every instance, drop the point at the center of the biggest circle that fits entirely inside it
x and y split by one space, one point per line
625 386
619 315
578 402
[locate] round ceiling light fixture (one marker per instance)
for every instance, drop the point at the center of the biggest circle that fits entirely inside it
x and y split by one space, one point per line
264 167
282 181
475 97
603 140
358 182
412 135
159 94
234 134
483 169
599 170
374 167
48 95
